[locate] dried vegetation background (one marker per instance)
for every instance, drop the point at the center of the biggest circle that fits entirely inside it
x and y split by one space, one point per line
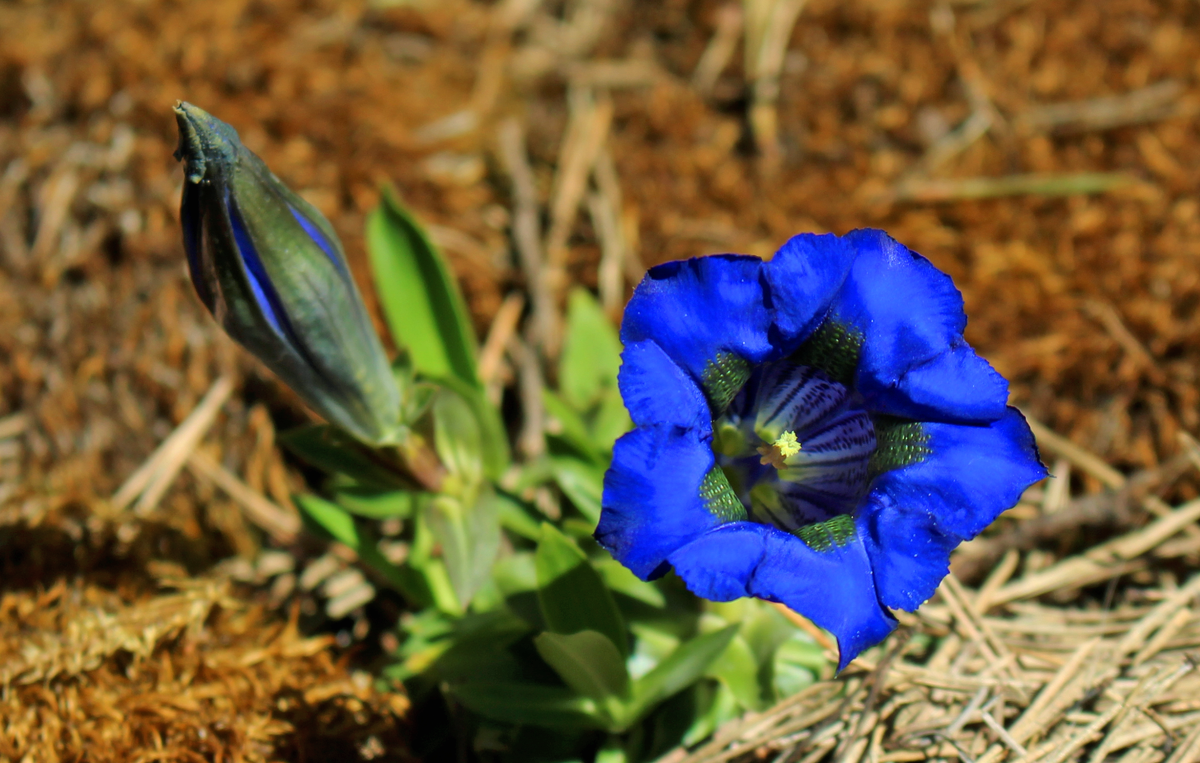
1043 152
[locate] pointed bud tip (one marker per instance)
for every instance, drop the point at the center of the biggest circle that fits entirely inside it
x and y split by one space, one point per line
205 142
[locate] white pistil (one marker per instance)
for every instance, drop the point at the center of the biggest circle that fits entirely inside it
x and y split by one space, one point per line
776 454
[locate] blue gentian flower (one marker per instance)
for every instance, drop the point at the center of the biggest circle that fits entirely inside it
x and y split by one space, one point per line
812 430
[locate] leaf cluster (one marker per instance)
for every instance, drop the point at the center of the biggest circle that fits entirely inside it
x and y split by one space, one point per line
523 637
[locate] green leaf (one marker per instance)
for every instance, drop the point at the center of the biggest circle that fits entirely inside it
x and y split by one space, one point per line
582 483
457 437
591 353
567 425
572 594
517 517
421 301
494 436
481 645
611 752
373 503
470 539
722 707
587 662
681 669
619 579
433 571
738 670
531 704
336 452
798 662
338 524
515 573
610 421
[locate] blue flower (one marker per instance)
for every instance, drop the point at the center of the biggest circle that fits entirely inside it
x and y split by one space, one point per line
811 430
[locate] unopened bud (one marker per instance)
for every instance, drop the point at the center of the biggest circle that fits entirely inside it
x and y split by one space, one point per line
270 269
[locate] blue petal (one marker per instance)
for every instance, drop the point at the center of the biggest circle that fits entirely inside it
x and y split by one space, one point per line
914 362
651 503
916 514
802 278
657 391
908 552
835 588
696 309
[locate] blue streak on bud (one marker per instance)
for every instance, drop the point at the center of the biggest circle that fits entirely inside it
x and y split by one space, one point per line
270 269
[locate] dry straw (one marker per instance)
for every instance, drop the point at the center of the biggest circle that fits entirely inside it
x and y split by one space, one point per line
993 676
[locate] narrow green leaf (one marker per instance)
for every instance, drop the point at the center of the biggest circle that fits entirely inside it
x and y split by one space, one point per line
722 706
587 662
373 503
619 579
582 483
457 437
341 526
531 704
515 573
494 436
334 521
481 645
421 559
470 539
517 517
685 665
612 752
433 572
336 452
798 662
737 669
567 424
421 301
571 593
591 353
610 421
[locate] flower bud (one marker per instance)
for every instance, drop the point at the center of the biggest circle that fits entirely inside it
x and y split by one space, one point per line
270 269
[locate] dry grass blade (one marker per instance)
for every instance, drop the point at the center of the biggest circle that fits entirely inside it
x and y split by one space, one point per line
934 190
1147 104
279 524
768 25
591 118
1108 509
616 251
14 425
527 230
503 327
152 479
1085 460
720 49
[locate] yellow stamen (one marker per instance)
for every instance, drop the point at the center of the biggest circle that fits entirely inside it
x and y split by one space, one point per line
785 446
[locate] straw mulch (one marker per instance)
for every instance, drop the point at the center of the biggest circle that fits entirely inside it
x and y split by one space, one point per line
192 674
1041 684
991 675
